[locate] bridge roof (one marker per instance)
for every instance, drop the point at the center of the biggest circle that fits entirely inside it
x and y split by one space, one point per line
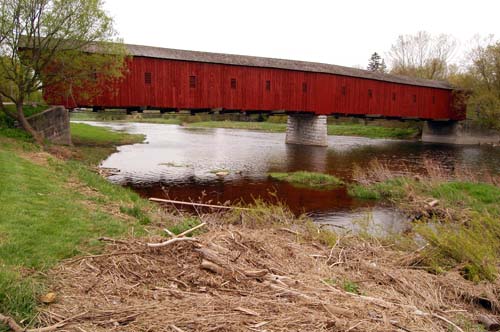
253 61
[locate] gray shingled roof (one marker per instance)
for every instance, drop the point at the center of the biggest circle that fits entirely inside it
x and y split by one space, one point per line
252 61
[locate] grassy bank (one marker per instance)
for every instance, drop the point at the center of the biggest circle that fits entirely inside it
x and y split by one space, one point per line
95 143
53 209
197 121
308 179
456 215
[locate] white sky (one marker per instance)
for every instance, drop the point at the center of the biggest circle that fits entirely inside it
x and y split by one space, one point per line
342 32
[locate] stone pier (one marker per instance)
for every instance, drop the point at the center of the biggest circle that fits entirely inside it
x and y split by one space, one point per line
458 132
307 129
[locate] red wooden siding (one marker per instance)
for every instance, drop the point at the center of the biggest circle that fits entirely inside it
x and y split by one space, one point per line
170 88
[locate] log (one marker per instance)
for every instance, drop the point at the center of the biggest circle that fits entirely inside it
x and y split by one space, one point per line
211 266
490 323
161 200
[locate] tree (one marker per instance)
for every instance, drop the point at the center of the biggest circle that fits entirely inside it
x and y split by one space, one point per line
482 78
376 63
64 43
422 55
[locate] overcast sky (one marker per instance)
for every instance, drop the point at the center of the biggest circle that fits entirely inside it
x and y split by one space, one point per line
343 32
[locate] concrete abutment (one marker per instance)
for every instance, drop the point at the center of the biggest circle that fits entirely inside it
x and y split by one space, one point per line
458 132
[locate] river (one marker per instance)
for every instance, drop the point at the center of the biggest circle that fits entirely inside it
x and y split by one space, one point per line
180 163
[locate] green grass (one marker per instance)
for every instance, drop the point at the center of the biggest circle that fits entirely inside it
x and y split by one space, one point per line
45 217
96 143
84 134
263 126
184 225
308 179
371 131
466 235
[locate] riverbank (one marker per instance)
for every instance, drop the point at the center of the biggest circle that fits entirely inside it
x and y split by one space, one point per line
54 207
197 121
257 268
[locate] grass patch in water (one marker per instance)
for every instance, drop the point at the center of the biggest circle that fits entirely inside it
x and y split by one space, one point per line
308 179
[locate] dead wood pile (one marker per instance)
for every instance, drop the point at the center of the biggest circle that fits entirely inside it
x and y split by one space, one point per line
235 278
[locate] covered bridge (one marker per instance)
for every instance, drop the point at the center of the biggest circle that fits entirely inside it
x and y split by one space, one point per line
169 80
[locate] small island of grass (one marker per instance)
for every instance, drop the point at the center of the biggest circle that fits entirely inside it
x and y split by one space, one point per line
308 179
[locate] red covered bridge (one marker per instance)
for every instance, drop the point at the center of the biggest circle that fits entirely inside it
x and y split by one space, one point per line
169 80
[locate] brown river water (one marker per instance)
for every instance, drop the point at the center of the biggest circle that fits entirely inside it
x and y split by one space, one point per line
178 163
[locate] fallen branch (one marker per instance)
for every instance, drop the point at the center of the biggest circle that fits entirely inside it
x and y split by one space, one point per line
489 323
168 242
191 230
160 200
180 237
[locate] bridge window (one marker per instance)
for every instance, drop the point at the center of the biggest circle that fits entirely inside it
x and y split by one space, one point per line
233 83
414 98
192 81
304 87
393 96
370 93
268 85
344 90
147 78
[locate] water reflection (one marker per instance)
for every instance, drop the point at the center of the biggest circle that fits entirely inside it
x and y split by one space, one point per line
179 163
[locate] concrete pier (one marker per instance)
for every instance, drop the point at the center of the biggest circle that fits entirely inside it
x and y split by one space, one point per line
458 132
307 129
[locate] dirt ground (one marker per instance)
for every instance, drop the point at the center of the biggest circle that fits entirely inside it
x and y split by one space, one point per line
252 278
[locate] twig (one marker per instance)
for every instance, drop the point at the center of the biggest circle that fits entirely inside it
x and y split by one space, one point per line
191 230
174 240
176 329
447 321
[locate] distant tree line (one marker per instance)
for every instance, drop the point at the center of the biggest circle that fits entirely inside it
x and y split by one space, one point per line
426 56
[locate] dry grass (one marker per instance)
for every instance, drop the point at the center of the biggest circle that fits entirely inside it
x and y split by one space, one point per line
268 279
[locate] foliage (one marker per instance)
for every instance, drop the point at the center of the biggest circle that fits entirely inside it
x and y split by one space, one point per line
48 43
308 179
482 79
376 63
422 55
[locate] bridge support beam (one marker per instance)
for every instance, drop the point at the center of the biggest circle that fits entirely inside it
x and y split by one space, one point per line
457 132
307 129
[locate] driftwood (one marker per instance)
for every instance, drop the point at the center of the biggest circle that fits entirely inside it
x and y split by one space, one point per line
212 206
174 240
490 323
178 238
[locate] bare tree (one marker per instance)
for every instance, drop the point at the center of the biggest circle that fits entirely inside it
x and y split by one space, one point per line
422 55
64 43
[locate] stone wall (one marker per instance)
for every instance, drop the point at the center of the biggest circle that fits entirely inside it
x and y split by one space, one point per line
53 124
307 129
455 132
